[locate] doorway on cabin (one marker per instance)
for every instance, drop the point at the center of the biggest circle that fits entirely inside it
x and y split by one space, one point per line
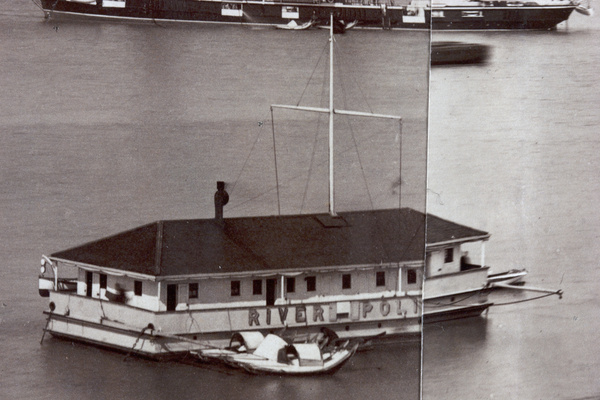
171 297
271 283
89 281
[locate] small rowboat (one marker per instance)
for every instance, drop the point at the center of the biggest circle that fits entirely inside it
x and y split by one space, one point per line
512 277
272 355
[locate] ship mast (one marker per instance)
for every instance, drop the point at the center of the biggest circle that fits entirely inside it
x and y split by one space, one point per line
331 111
331 196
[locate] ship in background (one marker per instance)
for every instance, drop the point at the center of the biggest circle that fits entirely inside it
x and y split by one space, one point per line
382 14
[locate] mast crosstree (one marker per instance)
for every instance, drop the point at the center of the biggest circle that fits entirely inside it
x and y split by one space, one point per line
331 111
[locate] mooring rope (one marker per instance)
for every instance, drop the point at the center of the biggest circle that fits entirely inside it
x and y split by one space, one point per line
452 302
136 342
45 329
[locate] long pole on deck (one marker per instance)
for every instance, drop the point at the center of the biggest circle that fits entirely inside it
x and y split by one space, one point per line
558 292
331 189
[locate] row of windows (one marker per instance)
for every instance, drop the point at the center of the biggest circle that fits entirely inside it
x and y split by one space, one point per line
137 285
257 284
311 283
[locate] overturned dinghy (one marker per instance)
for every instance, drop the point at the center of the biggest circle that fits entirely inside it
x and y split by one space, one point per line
294 26
276 356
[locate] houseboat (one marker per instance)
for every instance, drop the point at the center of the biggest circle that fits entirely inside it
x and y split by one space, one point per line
175 286
381 14
171 287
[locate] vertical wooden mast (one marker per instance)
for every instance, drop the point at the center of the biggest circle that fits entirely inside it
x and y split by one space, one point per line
331 188
331 111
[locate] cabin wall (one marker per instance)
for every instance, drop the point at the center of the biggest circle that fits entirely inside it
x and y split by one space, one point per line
148 299
331 283
437 261
153 295
219 291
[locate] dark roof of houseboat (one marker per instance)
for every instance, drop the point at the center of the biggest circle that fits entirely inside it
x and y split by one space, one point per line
204 246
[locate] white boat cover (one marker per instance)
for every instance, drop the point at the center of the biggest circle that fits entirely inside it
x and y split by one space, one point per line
309 354
269 347
252 339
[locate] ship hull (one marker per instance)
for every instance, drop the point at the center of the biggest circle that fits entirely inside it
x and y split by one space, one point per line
375 16
168 335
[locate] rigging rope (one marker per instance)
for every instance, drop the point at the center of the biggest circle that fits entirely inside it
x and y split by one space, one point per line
314 149
340 51
247 158
355 143
312 73
524 300
312 165
275 161
38 3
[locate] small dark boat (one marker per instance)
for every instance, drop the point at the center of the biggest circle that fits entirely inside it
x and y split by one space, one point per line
458 53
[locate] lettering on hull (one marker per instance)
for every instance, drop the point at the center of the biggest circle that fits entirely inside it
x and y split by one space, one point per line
317 314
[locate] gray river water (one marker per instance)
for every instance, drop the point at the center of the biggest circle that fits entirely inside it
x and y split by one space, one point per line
106 126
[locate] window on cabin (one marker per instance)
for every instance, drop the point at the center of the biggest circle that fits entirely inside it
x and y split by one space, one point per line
380 278
346 281
103 281
449 255
257 286
235 288
290 285
137 288
411 276
311 283
193 291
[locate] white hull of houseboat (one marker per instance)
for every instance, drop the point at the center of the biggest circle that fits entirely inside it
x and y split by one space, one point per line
464 305
161 335
456 295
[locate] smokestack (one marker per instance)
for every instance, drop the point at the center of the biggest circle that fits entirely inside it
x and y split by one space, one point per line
221 198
